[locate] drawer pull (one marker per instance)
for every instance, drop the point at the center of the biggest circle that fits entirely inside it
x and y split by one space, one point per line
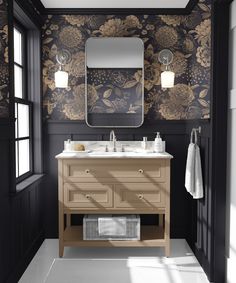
140 196
140 171
87 196
87 171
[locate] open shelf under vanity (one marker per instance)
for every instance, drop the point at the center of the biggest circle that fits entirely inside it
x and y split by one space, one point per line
151 236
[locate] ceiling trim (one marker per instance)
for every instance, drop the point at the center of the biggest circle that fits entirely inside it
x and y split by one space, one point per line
108 11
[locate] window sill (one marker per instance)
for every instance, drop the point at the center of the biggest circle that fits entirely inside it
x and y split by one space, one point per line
28 182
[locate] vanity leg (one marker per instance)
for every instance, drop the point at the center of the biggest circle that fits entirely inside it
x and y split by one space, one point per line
68 220
61 249
61 210
167 250
61 233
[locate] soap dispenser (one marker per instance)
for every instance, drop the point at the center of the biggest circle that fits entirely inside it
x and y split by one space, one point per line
158 143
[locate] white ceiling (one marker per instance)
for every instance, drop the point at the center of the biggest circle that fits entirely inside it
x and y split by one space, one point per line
115 3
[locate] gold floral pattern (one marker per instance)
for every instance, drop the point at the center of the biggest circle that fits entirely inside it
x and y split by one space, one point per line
113 28
4 66
204 56
172 20
74 108
180 64
172 111
70 36
181 94
166 36
75 21
203 32
187 36
77 65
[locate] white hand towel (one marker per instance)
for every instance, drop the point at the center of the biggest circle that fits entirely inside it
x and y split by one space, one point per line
193 173
189 173
198 184
112 226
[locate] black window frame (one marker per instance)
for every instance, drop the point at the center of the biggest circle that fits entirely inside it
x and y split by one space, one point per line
24 100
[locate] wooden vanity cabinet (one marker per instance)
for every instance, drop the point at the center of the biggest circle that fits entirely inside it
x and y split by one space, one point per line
114 186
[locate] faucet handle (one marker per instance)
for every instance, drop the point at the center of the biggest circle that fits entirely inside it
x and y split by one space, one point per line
106 148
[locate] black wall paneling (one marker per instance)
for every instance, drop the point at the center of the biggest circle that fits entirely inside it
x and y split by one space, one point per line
210 244
20 216
212 211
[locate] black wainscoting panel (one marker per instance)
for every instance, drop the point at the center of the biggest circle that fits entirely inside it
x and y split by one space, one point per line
177 146
20 216
53 146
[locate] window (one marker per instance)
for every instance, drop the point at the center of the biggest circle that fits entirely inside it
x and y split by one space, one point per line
23 107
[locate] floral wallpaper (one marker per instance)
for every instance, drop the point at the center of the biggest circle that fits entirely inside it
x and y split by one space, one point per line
188 37
4 71
114 90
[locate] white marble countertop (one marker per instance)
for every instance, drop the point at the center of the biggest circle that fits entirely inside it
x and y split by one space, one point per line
69 155
97 150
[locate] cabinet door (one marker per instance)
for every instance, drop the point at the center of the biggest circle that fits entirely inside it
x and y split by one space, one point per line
140 195
91 195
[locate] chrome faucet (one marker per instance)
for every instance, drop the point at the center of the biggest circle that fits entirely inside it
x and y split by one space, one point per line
113 139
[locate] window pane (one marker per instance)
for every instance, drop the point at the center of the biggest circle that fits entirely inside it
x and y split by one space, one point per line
18 81
17 47
16 121
17 173
23 120
24 162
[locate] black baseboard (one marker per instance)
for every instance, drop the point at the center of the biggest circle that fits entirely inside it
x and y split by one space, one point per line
26 259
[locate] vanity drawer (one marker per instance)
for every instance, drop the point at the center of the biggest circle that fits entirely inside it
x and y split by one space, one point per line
108 168
140 195
91 195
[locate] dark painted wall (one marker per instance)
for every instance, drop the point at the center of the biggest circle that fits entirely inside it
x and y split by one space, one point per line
21 231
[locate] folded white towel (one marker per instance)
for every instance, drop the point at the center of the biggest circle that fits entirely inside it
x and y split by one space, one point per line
112 226
189 173
198 188
193 174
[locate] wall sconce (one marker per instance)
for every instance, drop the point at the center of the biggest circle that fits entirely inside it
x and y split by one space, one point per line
167 77
61 77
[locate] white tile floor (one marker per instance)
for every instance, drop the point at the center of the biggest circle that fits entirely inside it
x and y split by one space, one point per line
130 263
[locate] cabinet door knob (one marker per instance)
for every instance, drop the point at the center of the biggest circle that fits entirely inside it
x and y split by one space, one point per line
140 171
140 196
87 196
87 171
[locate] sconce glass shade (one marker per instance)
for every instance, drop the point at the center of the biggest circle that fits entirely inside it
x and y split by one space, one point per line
167 79
61 79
